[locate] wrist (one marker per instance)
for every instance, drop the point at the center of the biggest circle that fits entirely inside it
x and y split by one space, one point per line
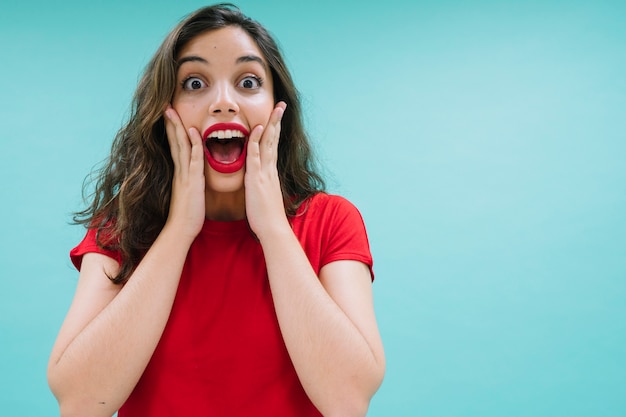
179 233
273 231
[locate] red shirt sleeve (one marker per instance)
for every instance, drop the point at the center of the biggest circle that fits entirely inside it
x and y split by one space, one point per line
347 238
89 244
330 228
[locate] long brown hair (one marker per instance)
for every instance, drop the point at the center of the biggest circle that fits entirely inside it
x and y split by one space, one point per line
131 200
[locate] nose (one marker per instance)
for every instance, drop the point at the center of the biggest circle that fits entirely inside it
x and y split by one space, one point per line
223 101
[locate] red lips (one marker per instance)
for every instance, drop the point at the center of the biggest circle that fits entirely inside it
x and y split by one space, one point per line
226 151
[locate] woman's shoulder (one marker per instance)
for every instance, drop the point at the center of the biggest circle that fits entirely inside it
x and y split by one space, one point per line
98 240
324 207
325 201
330 228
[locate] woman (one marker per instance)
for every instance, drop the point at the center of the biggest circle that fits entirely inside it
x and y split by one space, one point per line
216 277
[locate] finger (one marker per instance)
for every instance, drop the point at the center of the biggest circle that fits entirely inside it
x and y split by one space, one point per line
253 160
177 138
196 164
182 139
274 123
170 131
271 136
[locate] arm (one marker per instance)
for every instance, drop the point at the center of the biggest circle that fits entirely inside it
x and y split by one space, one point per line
327 323
110 332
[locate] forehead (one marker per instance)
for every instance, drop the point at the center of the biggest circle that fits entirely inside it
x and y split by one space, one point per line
228 42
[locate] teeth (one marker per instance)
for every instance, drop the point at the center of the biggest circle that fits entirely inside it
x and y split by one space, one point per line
226 134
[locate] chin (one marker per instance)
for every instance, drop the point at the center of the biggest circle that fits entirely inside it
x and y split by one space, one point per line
224 183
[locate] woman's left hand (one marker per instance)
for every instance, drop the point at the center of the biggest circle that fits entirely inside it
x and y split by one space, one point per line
264 200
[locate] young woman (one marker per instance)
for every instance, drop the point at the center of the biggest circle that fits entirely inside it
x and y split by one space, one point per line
216 276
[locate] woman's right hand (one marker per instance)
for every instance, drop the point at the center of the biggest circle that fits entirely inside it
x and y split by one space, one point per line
187 205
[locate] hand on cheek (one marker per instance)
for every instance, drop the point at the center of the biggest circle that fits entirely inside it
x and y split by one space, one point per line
187 204
264 200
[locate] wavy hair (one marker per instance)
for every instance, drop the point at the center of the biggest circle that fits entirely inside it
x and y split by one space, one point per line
131 198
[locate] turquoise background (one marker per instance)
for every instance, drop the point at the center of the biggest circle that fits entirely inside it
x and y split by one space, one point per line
483 141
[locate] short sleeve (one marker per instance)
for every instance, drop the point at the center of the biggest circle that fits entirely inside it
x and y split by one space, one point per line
89 244
347 239
331 229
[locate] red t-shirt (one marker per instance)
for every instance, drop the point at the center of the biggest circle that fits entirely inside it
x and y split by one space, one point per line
222 353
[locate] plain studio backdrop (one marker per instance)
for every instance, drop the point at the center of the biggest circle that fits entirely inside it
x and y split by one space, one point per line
483 141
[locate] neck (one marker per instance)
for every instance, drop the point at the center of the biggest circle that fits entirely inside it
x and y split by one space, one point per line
225 207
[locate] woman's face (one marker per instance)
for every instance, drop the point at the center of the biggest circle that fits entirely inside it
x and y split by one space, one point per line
224 89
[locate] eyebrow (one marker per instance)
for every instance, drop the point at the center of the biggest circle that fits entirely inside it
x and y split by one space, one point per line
240 60
251 58
191 58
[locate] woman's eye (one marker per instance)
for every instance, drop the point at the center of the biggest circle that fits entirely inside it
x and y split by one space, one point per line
250 82
193 83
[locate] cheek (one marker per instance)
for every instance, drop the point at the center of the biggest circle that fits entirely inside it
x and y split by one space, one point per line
262 108
187 112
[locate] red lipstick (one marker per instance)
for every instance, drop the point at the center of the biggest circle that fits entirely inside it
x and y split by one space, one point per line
226 151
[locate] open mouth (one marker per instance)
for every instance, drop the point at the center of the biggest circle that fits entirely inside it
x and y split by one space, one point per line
225 147
226 150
